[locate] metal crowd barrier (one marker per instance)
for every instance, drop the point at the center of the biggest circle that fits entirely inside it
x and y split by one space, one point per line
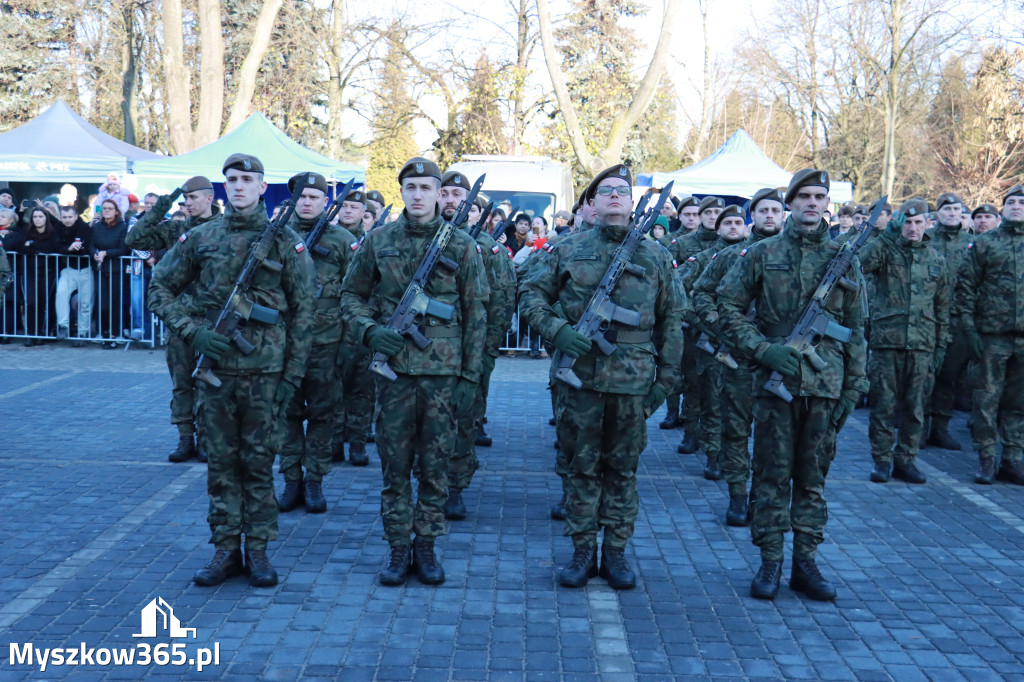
520 337
51 290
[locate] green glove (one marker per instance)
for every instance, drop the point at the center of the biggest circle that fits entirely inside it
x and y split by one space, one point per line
654 398
284 394
207 342
571 342
782 358
975 348
463 397
844 408
164 203
384 340
488 364
895 226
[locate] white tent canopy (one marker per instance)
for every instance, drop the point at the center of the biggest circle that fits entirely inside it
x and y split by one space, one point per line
737 168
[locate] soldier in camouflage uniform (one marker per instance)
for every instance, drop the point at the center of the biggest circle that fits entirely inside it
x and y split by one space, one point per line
950 239
736 386
241 419
418 414
151 233
988 310
689 219
603 424
319 398
794 443
985 218
356 416
909 331
501 280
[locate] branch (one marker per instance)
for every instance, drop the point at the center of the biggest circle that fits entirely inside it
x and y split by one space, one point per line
251 66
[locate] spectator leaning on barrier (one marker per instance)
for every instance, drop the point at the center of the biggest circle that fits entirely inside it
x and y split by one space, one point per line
40 239
75 275
108 246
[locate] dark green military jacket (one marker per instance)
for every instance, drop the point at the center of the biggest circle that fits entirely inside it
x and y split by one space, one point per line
690 272
379 275
951 242
990 289
211 256
152 232
704 299
570 276
690 244
910 308
501 279
330 271
779 275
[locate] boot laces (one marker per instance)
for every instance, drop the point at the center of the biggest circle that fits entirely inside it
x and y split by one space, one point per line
768 571
581 558
615 559
399 557
219 557
258 559
425 554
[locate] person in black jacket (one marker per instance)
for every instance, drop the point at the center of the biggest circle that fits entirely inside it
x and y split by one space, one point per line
40 239
75 275
108 246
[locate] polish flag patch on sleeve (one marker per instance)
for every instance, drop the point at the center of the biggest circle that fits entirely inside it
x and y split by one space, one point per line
674 263
182 238
300 247
496 248
743 253
355 245
478 249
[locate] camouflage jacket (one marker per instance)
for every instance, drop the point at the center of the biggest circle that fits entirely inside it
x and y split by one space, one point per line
573 269
910 308
990 288
330 270
501 279
951 243
212 255
690 244
669 237
153 232
704 301
689 273
378 277
779 275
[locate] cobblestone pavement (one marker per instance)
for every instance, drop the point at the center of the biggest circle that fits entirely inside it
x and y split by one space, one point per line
96 524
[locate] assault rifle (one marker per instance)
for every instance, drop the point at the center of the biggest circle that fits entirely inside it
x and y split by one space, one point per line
415 303
474 231
601 311
316 234
239 307
377 223
509 220
814 324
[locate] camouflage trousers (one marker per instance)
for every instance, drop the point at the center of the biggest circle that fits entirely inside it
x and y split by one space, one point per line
464 461
794 443
356 416
692 406
317 402
566 433
709 372
736 395
241 431
901 381
954 366
181 360
672 401
603 434
416 430
999 397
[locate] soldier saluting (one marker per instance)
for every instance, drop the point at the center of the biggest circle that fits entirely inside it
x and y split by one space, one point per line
794 441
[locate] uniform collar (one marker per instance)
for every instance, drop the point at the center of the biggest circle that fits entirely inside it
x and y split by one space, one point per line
613 233
253 220
817 236
1012 227
429 227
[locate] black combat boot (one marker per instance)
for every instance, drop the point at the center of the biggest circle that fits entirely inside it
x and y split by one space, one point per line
738 513
428 568
766 583
880 474
907 471
551 421
689 444
615 570
292 495
1011 471
257 565
482 439
671 419
712 471
185 451
225 564
580 568
986 471
454 507
316 503
939 436
338 455
807 578
558 511
396 569
357 454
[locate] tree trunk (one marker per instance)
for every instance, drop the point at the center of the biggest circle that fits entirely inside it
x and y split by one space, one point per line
522 57
128 73
892 96
211 73
706 101
253 59
336 58
176 79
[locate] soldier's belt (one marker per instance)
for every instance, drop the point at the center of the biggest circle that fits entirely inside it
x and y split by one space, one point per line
629 335
322 303
447 332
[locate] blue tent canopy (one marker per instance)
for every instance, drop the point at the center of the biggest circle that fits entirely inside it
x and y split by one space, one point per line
281 156
58 145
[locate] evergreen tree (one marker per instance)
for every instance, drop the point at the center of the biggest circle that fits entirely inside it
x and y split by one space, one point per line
483 130
393 142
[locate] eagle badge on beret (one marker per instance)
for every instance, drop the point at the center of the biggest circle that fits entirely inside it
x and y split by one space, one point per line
720 203
247 164
622 171
457 180
824 176
310 180
419 167
912 210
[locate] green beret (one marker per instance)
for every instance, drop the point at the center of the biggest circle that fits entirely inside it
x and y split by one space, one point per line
947 198
1015 191
315 181
196 184
808 177
887 207
731 211
710 202
243 162
455 179
861 208
985 208
914 207
358 196
619 170
374 195
687 201
371 209
769 193
418 167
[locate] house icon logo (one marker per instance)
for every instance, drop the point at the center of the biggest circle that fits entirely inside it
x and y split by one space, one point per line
158 614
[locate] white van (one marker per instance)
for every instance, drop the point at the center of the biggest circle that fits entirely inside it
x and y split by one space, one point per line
536 184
